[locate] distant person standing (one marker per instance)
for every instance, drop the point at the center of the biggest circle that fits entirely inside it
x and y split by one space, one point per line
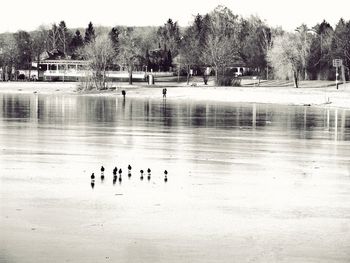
206 75
205 78
164 93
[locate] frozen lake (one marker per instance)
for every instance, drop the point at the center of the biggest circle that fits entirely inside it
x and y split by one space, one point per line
247 182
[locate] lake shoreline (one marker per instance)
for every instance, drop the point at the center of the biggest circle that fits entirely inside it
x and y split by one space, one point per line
323 96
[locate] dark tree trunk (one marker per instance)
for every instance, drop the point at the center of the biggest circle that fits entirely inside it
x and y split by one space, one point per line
267 72
295 75
130 76
188 74
37 66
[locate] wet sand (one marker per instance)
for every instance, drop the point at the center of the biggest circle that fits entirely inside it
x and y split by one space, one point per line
323 96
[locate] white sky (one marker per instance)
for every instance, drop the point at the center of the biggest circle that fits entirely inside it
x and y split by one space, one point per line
28 15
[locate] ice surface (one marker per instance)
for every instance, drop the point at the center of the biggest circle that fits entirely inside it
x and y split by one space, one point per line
247 182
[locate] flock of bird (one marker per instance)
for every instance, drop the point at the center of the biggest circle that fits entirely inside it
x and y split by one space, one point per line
116 172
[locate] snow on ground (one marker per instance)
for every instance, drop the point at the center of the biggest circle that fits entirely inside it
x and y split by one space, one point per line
325 96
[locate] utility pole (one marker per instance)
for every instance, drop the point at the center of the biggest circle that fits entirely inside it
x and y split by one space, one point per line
336 76
337 63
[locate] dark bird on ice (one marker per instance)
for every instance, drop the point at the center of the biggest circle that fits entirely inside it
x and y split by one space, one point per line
166 175
141 171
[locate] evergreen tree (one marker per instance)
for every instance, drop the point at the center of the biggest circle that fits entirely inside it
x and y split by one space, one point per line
148 60
89 34
169 60
114 36
24 48
169 34
193 42
164 59
198 23
341 43
200 28
76 43
255 41
320 63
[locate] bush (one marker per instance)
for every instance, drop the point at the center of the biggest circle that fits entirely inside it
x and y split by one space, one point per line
21 77
229 81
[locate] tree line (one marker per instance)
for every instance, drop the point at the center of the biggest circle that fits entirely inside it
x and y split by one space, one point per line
219 39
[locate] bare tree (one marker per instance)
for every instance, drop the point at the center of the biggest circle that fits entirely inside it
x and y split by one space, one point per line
64 37
130 51
219 54
305 38
188 55
222 45
99 53
285 57
53 37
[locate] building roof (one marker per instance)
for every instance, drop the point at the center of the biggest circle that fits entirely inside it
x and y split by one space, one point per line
64 61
